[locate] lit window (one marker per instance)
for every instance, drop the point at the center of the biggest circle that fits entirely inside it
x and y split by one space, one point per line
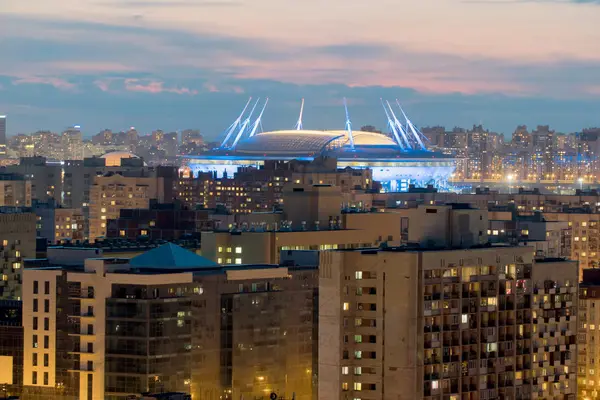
4 277
219 260
358 274
152 223
103 209
357 338
584 223
112 202
229 261
345 370
495 232
143 232
121 233
357 370
103 217
238 250
5 242
229 249
220 249
357 386
435 384
345 386
358 354
238 261
465 318
346 306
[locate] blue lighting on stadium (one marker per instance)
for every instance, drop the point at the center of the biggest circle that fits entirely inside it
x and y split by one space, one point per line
397 158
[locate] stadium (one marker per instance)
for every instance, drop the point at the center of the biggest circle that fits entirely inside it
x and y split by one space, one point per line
397 159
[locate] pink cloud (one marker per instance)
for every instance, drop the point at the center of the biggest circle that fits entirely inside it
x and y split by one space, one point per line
213 88
43 80
152 86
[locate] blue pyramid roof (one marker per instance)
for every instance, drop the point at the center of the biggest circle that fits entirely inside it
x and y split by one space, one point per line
170 256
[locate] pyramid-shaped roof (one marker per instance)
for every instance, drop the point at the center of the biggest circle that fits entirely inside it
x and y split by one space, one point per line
170 256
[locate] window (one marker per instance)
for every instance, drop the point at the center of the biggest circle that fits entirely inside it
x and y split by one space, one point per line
238 250
345 386
46 324
5 243
144 232
229 249
345 370
238 261
35 287
35 305
90 347
219 260
46 378
465 318
34 360
35 323
46 360
46 342
357 370
346 306
357 386
121 233
358 354
358 275
35 341
90 365
34 378
220 249
46 287
435 384
357 338
46 305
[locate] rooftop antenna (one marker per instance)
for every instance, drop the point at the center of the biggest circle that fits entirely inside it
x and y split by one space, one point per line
399 126
298 126
412 128
392 125
235 124
258 120
244 125
349 125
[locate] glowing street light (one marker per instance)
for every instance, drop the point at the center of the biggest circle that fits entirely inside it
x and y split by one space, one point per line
510 179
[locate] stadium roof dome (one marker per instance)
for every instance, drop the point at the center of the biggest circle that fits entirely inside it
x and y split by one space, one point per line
113 159
307 142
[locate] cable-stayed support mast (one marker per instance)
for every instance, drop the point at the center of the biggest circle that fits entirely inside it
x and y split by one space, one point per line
349 125
298 126
399 126
392 126
258 120
412 128
244 126
235 124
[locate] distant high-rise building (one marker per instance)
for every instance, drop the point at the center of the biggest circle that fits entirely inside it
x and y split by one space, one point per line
2 134
2 129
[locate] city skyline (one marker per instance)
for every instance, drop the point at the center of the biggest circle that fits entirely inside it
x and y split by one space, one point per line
153 64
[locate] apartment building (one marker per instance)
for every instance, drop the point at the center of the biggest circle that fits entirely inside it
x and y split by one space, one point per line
113 192
15 190
589 338
169 320
479 323
17 241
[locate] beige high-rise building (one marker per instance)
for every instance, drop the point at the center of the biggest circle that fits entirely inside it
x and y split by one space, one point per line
112 192
589 336
467 324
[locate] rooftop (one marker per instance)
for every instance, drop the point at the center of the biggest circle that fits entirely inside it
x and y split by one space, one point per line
170 256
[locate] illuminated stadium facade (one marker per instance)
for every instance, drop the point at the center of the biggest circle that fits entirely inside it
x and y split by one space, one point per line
397 160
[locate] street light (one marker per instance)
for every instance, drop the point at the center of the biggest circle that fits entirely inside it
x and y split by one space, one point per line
580 183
